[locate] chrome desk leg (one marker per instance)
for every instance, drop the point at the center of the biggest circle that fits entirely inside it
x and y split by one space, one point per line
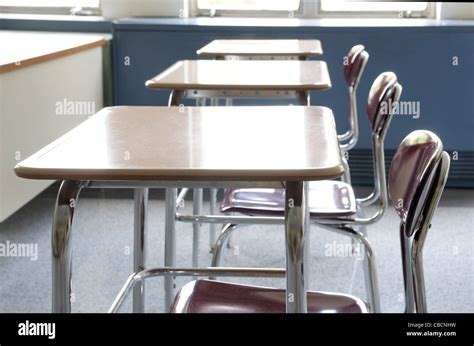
197 210
140 225
170 243
304 98
296 224
170 205
213 201
197 203
61 245
212 226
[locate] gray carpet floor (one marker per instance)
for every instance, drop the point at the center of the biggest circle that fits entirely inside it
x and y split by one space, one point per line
103 246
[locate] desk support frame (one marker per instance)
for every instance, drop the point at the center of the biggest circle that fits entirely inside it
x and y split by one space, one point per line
296 225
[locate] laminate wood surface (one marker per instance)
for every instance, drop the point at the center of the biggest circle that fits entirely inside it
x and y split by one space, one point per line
243 75
277 143
300 48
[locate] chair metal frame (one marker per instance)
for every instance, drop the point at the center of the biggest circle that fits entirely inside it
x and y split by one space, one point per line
352 226
413 233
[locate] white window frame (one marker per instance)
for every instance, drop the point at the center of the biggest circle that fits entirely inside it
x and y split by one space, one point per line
430 12
195 11
53 10
313 9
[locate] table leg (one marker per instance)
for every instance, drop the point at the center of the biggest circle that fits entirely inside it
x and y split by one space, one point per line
197 206
296 225
61 245
304 98
212 226
170 210
140 225
213 201
170 243
197 210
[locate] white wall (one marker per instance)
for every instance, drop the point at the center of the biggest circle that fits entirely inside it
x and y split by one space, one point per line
457 10
144 8
29 118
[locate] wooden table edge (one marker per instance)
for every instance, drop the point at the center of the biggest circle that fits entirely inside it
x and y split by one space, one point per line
197 175
50 56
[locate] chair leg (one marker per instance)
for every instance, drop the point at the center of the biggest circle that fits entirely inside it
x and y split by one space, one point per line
140 225
362 228
346 177
418 280
219 247
370 272
61 245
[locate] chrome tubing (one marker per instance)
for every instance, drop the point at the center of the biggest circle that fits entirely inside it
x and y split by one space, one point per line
61 245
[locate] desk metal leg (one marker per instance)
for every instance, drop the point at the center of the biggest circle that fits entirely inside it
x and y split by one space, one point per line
170 210
213 202
140 225
296 224
197 205
212 226
304 98
61 245
170 243
197 210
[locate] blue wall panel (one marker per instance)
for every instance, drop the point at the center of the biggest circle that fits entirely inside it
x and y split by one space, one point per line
419 51
421 57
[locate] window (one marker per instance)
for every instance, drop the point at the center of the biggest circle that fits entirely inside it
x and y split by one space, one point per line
249 5
83 7
372 6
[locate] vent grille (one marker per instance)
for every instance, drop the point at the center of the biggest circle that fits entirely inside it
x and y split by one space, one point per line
461 173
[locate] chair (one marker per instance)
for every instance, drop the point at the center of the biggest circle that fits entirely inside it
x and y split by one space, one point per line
354 66
332 203
417 178
416 181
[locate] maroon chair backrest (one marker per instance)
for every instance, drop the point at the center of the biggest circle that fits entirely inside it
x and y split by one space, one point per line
354 64
412 174
383 94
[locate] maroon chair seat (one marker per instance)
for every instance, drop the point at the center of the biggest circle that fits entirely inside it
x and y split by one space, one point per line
206 296
326 199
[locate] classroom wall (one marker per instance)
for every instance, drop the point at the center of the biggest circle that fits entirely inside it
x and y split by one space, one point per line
422 57
420 51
